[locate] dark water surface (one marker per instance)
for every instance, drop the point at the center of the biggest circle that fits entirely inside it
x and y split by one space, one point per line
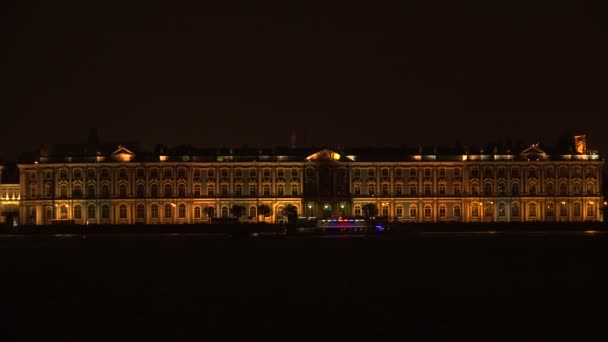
490 287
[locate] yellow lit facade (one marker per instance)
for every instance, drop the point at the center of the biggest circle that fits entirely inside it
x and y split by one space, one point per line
122 187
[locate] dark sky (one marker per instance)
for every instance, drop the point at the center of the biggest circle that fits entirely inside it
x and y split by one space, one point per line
357 74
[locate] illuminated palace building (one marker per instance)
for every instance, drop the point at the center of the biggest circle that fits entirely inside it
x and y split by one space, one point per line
117 184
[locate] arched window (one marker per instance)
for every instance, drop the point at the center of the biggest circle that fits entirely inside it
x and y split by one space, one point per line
442 210
77 212
442 189
456 210
91 212
427 211
532 210
141 211
357 210
253 211
590 189
576 209
590 209
385 189
488 211
63 212
168 190
141 191
91 191
515 189
154 211
413 211
105 191
181 211
501 209
197 191
105 211
122 211
168 210
210 212
181 190
197 212
563 189
577 188
550 209
474 210
154 191
514 209
563 209
63 191
399 211
225 211
532 189
487 189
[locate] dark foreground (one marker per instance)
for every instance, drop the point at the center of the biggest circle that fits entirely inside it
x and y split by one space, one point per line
487 287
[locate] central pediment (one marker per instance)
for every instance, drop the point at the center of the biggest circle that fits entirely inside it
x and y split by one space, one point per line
534 152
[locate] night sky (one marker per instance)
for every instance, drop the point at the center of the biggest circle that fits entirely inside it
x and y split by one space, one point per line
360 74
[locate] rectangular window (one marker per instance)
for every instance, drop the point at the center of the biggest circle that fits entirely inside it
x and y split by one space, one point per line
167 173
196 174
224 190
266 190
266 173
181 173
294 190
253 190
238 190
252 173
211 190
357 172
238 173
294 173
224 173
280 173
